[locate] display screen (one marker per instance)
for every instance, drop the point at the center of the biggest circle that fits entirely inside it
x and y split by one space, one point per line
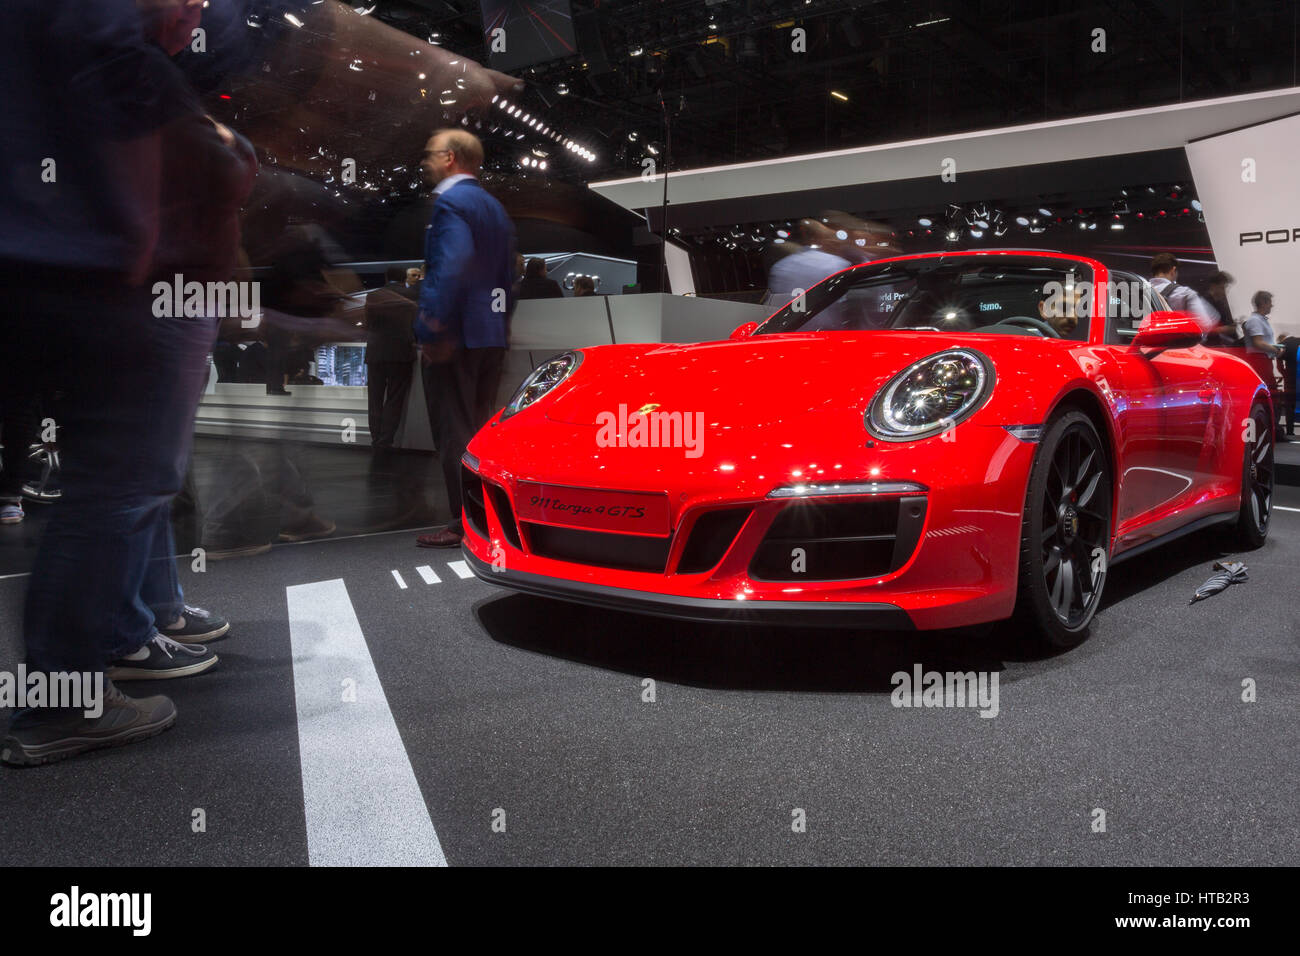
519 33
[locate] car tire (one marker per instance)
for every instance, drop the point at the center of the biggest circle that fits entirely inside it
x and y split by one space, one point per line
1065 533
1251 529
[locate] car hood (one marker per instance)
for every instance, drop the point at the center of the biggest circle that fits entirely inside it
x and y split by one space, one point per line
760 380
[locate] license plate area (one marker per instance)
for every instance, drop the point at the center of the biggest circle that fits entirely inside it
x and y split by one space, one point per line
626 512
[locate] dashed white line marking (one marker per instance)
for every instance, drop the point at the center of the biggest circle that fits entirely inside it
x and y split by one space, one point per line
362 802
398 578
461 568
428 574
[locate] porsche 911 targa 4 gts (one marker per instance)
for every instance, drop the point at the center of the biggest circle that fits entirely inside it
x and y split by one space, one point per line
929 441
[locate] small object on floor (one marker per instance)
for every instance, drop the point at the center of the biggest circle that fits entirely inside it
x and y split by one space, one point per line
36 738
11 512
1230 572
446 538
162 658
309 529
196 626
238 551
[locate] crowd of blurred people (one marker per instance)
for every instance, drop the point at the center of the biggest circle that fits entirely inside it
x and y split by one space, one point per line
120 180
1272 356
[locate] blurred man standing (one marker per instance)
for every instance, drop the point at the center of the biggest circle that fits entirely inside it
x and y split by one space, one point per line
465 305
390 350
1164 279
115 177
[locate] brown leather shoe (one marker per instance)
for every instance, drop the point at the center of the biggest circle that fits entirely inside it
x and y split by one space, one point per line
446 538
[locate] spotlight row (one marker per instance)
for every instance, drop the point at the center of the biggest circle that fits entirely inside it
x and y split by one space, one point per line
534 123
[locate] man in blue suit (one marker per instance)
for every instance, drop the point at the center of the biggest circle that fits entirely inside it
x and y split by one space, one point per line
465 306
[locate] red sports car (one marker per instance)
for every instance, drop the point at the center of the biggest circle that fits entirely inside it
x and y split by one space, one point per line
928 441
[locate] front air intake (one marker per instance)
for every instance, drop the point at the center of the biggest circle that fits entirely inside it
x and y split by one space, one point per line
710 538
820 540
471 489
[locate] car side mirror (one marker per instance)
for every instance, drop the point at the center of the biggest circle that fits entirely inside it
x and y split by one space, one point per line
1167 330
743 331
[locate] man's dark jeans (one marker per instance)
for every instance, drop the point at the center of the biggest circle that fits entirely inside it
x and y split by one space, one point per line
127 385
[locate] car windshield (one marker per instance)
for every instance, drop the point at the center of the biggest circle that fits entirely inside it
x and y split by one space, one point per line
1027 295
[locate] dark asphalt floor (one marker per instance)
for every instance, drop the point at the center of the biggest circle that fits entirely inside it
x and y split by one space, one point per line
517 704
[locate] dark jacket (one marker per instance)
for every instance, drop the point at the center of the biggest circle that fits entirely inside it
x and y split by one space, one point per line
540 287
390 319
469 253
85 88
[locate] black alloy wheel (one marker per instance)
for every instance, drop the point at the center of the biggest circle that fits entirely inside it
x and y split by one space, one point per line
1065 532
1256 482
42 484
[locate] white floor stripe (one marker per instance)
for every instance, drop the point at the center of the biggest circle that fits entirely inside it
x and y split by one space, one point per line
1284 508
428 574
461 568
398 578
363 805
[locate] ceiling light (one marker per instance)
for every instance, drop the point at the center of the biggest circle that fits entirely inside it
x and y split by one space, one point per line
924 222
1021 221
1044 212
839 96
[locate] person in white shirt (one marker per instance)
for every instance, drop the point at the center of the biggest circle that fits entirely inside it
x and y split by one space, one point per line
1262 348
1258 330
1164 279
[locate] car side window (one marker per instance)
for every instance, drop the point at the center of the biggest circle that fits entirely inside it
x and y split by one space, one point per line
1129 300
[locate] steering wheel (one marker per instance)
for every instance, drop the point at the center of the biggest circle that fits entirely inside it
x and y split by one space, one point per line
1026 322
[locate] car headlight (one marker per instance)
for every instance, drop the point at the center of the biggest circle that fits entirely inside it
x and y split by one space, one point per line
930 395
541 380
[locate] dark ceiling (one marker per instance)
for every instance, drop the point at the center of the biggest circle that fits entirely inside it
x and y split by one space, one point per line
737 91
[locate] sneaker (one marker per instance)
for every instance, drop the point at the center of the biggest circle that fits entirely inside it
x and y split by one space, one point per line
196 626
36 738
161 658
314 526
11 512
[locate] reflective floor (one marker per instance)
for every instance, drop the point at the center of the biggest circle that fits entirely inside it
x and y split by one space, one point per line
473 707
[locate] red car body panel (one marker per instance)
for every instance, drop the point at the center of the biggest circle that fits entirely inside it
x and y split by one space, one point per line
784 409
